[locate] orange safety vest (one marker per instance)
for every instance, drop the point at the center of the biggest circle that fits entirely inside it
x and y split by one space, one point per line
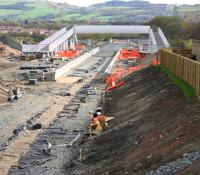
98 118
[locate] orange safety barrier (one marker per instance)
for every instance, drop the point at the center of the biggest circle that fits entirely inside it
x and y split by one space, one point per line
129 54
115 77
156 62
68 53
109 89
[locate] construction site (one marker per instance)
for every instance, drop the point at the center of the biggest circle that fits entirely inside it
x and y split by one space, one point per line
84 107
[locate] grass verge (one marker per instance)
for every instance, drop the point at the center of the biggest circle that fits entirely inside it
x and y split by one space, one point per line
187 89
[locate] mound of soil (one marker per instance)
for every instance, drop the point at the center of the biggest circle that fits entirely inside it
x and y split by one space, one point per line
154 124
6 51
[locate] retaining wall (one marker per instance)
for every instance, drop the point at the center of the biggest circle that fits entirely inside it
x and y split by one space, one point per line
109 68
71 65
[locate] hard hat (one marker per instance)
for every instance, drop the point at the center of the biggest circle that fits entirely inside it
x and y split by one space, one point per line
98 113
99 110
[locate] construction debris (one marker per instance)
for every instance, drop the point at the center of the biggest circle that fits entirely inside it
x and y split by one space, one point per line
74 140
64 92
15 94
12 93
37 126
33 82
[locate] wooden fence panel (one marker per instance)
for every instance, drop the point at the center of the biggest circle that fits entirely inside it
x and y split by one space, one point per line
182 67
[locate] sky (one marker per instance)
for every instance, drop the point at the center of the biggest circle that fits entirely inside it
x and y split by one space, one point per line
90 2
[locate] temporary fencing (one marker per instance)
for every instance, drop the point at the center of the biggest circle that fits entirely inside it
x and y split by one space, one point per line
116 78
127 54
156 62
68 53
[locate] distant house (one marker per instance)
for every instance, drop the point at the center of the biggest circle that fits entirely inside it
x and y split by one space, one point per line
196 44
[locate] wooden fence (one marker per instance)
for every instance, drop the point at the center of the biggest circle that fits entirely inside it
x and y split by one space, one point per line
182 67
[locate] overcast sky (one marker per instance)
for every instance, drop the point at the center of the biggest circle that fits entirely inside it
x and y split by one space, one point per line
89 2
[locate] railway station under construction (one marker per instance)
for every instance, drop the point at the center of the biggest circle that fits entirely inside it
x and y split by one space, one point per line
106 107
66 39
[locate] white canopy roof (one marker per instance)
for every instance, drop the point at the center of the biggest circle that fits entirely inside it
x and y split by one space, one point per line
120 29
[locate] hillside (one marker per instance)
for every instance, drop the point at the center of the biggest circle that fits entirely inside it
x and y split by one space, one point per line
154 131
111 11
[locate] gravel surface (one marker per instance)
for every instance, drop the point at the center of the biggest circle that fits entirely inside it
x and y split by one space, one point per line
72 120
177 165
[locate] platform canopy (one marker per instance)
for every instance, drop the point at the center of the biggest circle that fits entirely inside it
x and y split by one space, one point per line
67 39
113 29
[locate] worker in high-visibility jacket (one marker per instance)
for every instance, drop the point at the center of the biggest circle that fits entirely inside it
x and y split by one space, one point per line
99 121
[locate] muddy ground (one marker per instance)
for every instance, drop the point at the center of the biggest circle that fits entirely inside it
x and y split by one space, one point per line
69 122
154 124
47 105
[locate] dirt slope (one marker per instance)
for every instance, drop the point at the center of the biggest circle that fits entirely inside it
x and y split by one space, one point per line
6 51
154 124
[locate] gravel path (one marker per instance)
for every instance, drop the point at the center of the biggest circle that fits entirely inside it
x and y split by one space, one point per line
177 165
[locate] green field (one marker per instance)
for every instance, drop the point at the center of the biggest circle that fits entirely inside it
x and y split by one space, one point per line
4 13
35 9
40 9
70 16
189 8
46 10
